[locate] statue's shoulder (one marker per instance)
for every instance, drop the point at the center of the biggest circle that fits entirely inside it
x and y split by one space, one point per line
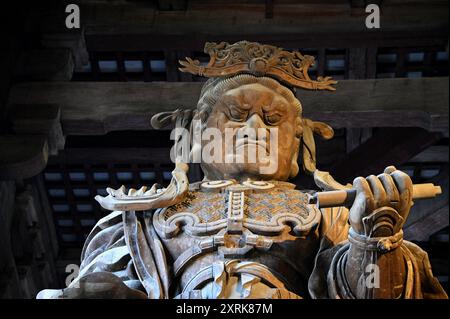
102 232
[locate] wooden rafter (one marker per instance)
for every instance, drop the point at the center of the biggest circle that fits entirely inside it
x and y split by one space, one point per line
387 146
430 216
89 108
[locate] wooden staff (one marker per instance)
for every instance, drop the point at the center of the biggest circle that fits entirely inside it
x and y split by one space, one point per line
347 197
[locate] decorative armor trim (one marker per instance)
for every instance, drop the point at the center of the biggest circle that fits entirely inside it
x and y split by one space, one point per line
237 216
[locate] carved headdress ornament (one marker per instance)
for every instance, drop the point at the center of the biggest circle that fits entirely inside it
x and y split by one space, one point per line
226 59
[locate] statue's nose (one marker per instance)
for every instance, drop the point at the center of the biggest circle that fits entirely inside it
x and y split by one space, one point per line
255 121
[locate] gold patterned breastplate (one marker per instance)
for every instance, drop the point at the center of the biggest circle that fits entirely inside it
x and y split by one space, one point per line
226 220
262 208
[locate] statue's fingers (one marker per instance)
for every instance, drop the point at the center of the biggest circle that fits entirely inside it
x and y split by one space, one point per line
389 169
405 188
390 188
364 202
403 182
362 186
378 191
357 213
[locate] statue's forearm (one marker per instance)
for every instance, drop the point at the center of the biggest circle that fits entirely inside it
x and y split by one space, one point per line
372 263
374 274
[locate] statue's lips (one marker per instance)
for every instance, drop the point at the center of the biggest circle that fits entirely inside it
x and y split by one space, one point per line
250 142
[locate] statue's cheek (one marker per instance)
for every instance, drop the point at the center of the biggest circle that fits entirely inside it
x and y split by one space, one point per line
287 132
217 120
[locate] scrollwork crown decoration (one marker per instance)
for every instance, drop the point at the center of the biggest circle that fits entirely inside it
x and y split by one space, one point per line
258 59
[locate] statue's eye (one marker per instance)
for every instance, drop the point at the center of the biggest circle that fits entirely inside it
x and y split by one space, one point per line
237 115
273 119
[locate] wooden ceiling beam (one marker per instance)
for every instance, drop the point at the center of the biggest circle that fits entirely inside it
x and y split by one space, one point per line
249 17
429 216
196 41
95 108
172 5
387 146
23 156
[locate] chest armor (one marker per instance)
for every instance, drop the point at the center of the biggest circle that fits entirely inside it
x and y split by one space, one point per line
271 224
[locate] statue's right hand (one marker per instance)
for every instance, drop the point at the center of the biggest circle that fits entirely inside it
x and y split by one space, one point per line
393 189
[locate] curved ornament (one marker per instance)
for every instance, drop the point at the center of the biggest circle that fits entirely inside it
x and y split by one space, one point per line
258 59
145 200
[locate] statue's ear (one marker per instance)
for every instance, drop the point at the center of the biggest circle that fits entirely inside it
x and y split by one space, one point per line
180 117
308 147
322 129
195 131
163 119
308 144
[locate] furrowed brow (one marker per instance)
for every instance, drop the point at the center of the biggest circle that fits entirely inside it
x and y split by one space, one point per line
276 106
231 100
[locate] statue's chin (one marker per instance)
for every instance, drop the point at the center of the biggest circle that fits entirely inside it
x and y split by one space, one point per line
240 172
242 166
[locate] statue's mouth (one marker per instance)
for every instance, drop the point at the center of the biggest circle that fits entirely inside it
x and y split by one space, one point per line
242 142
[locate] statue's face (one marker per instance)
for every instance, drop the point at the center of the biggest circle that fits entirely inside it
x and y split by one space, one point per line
246 109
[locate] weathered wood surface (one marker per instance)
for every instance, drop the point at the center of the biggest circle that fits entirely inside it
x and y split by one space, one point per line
436 154
8 277
431 215
112 155
285 23
72 39
388 146
196 41
45 65
43 119
356 136
89 108
23 156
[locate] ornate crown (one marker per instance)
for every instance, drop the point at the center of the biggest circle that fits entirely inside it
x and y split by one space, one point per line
258 59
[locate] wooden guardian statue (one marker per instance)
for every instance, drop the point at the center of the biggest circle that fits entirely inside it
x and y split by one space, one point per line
247 233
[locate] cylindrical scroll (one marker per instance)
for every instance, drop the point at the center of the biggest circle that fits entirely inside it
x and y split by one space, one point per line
347 197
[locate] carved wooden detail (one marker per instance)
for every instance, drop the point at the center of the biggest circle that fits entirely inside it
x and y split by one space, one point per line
251 57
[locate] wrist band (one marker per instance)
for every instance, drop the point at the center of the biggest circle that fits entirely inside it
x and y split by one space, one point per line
381 244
